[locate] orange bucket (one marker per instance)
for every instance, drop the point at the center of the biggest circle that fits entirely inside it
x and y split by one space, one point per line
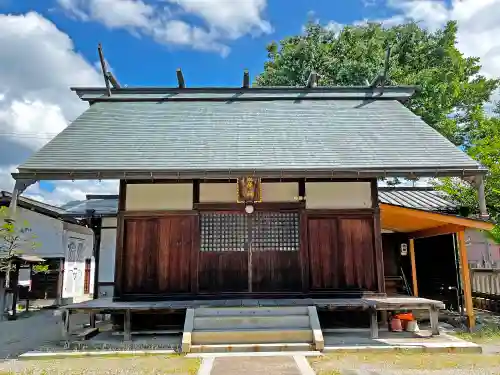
408 317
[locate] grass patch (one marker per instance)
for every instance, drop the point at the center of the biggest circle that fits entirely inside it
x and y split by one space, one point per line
147 365
330 364
489 333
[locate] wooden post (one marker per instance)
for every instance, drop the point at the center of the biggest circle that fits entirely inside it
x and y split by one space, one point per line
65 326
462 247
127 327
413 267
373 323
434 318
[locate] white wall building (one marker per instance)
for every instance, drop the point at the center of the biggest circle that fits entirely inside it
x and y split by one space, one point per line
61 241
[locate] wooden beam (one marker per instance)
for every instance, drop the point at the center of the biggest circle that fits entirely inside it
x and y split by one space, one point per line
113 80
436 231
413 267
312 81
103 68
375 81
386 68
464 265
180 79
246 79
481 197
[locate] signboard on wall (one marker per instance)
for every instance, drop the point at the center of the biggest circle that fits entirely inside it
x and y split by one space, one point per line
249 190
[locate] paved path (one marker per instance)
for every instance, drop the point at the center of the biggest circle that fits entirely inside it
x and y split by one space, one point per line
32 333
251 365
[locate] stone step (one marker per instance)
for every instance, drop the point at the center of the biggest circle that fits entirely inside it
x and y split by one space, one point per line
250 322
251 311
244 348
251 336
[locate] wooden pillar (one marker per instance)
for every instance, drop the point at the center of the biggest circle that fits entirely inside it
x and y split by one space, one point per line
66 325
413 267
464 263
127 327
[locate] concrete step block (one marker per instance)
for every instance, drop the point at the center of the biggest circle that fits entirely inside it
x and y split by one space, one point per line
242 336
250 322
245 348
249 311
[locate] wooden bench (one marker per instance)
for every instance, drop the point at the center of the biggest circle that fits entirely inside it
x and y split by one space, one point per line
405 303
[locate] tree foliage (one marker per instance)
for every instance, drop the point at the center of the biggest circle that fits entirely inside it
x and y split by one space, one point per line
449 82
15 239
452 91
483 144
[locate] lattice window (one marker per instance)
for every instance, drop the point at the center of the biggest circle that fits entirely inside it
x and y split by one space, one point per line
80 252
223 231
72 250
275 231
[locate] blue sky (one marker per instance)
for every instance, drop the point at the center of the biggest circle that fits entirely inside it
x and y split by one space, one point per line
142 61
50 45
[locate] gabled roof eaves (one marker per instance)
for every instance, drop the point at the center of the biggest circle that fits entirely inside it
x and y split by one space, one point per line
223 94
39 207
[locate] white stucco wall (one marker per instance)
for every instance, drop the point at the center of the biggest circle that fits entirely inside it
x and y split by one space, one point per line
159 197
338 195
228 192
74 264
49 233
107 255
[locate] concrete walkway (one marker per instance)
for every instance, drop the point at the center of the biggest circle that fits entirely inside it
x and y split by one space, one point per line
256 365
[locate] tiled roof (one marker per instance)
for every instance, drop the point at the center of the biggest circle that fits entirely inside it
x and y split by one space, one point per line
419 198
294 132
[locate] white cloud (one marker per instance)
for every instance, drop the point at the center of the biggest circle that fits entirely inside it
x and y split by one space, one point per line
478 26
38 64
223 20
234 18
66 191
335 27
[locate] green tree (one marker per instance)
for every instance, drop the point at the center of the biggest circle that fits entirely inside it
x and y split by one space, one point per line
483 144
16 238
451 99
449 82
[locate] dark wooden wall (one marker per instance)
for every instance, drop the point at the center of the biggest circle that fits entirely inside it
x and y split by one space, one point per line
341 253
157 254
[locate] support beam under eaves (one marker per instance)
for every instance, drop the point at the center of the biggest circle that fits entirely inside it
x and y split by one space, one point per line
466 283
413 268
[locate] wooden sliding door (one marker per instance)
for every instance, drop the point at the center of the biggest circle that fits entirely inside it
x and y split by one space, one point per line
249 253
157 253
341 253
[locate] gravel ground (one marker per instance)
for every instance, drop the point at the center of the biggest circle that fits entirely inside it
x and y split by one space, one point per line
149 365
407 364
33 332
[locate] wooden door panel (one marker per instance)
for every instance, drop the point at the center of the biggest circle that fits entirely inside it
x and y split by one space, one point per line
357 252
325 264
224 271
223 255
139 260
276 271
275 245
175 240
341 253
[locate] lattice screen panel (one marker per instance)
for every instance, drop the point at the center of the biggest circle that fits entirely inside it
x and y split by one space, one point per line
224 231
275 231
